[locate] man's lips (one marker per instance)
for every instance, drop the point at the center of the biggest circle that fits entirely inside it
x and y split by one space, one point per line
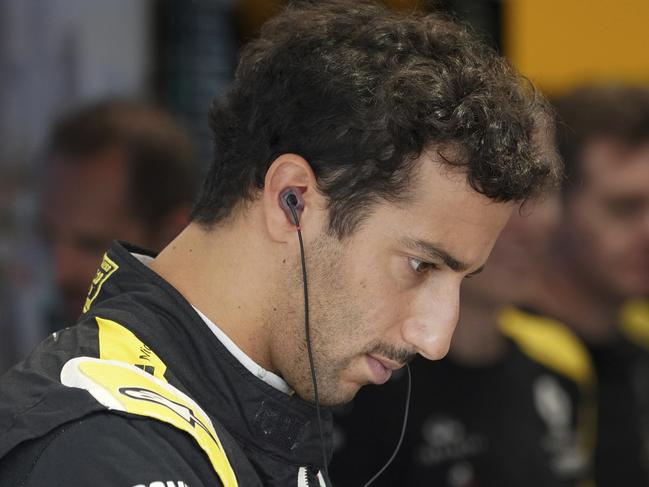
381 368
388 364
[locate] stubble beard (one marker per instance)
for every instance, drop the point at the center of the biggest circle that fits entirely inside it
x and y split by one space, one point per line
334 321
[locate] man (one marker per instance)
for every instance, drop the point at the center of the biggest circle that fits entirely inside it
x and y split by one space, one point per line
391 148
114 169
601 259
511 405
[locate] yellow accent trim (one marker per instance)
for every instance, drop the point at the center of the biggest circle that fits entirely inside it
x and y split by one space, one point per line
118 343
126 388
552 344
106 269
635 321
549 342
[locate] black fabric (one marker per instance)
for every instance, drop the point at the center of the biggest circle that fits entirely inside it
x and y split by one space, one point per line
622 441
268 435
468 427
105 450
622 371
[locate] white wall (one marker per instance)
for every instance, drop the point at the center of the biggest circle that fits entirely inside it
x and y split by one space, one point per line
57 53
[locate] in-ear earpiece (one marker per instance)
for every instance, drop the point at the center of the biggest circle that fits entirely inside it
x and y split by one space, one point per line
290 199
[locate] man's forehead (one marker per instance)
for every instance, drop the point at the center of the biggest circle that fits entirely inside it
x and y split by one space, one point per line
449 221
98 186
107 168
438 186
605 160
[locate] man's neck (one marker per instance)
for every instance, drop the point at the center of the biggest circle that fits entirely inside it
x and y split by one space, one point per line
220 274
566 297
477 340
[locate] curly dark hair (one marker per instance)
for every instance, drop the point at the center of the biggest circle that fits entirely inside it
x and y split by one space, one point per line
360 91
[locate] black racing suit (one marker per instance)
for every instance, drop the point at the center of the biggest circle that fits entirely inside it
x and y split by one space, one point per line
140 392
622 369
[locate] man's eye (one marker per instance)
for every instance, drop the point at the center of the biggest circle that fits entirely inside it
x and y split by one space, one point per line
624 207
419 266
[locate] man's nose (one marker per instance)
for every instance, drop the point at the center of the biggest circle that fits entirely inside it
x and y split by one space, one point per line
431 323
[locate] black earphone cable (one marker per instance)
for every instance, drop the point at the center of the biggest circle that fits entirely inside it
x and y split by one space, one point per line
291 205
403 431
307 332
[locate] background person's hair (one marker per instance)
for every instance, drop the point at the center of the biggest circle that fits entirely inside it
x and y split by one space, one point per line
360 92
162 171
619 112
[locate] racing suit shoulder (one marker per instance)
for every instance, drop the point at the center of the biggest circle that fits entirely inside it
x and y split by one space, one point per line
550 343
634 318
109 450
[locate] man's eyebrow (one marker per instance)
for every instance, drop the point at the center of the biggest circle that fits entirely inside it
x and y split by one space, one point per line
434 251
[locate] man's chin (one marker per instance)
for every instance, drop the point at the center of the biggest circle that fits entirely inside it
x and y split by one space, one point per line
339 397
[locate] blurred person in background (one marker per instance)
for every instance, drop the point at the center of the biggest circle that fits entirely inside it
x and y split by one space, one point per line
393 148
115 170
511 405
600 260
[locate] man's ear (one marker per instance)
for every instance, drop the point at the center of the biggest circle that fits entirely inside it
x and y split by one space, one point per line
288 171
